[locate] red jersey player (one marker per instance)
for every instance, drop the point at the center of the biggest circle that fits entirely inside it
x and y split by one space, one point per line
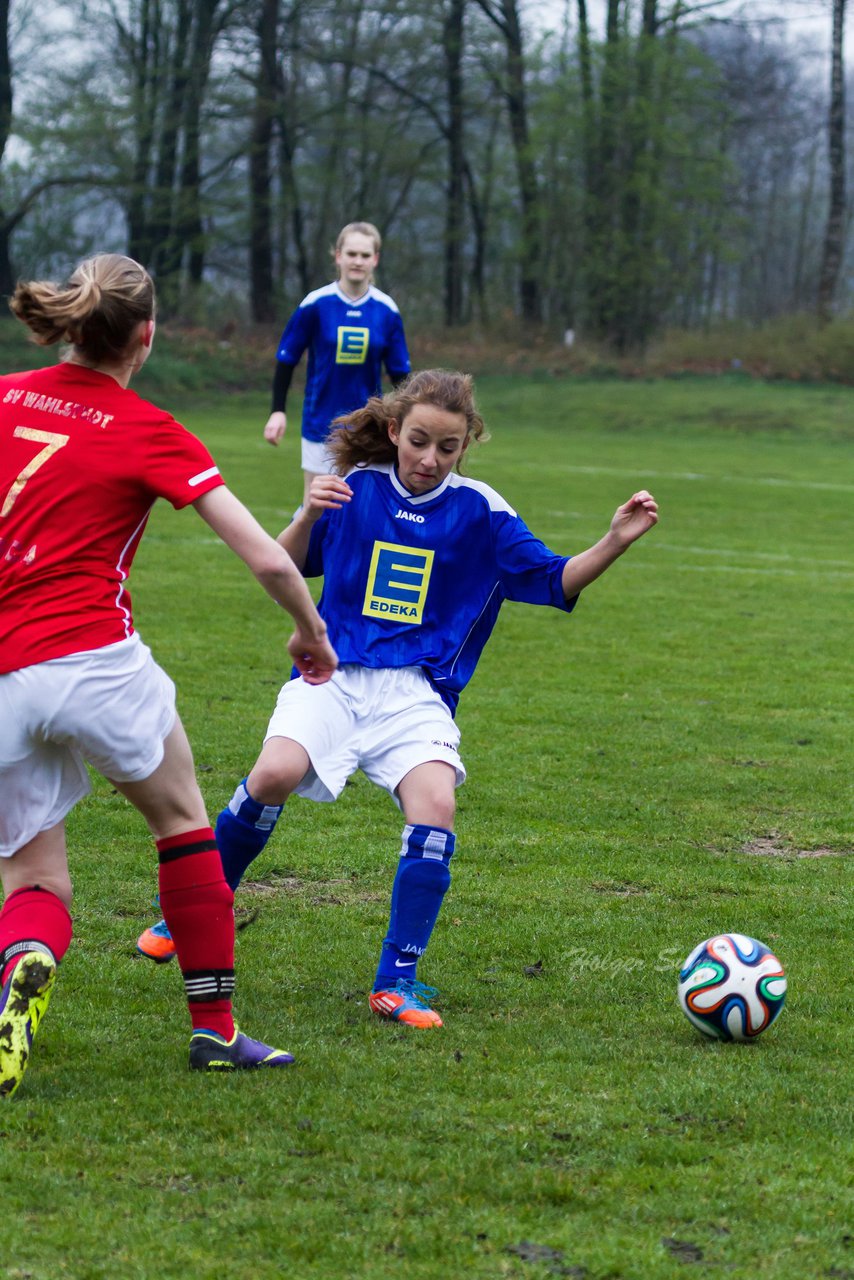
82 461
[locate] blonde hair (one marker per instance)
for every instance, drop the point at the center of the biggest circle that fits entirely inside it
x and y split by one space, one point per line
97 310
361 438
362 229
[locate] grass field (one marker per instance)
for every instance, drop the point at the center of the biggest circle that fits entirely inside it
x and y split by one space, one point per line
672 761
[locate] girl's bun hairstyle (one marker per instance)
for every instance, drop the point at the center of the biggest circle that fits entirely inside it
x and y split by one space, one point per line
97 310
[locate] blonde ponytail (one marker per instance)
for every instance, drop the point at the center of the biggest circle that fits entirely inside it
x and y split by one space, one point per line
97 310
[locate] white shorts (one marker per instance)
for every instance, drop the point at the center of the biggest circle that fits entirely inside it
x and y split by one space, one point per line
316 458
383 722
112 707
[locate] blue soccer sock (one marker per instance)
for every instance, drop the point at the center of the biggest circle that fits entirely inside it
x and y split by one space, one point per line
242 830
420 884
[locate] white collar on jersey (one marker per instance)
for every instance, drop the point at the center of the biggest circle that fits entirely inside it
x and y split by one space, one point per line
417 499
352 302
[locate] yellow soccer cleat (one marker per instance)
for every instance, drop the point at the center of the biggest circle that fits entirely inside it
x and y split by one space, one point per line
23 1002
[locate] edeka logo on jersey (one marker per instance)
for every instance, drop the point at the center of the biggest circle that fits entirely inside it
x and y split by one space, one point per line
397 583
352 345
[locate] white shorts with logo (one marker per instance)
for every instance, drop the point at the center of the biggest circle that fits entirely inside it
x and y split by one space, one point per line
316 457
384 722
112 707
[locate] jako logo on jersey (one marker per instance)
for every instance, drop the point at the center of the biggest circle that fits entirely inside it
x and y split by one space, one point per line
352 345
397 583
409 515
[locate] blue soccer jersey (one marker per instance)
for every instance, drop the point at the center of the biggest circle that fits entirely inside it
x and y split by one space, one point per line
418 580
348 343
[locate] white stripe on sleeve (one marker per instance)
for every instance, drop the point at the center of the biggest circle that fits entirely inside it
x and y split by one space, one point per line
202 476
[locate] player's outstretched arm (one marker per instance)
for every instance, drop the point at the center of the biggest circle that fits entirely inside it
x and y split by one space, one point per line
278 575
327 493
630 522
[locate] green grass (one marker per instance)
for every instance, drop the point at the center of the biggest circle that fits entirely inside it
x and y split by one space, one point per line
671 761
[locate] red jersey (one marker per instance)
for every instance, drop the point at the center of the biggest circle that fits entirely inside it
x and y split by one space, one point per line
82 461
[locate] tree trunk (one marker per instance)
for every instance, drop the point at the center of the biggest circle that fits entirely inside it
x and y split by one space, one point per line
260 164
291 195
600 200
165 253
529 195
632 317
189 229
7 278
452 41
144 53
508 22
834 236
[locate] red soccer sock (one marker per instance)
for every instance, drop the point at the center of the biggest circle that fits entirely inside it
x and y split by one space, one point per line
197 907
32 917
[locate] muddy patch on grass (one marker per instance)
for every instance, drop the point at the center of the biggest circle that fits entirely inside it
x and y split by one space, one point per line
320 893
620 888
773 846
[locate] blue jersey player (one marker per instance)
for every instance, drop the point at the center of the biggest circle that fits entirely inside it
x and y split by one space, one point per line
350 330
417 561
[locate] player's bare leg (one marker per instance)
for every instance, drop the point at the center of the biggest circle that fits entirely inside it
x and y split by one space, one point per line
428 794
278 771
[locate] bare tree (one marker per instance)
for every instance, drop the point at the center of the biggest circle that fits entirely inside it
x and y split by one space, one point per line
834 236
504 14
452 43
6 280
260 167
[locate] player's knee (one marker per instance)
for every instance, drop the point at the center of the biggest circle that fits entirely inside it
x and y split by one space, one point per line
436 808
427 795
277 772
446 811
269 785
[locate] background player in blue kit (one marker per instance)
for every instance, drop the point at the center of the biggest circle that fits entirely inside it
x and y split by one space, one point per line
417 561
350 330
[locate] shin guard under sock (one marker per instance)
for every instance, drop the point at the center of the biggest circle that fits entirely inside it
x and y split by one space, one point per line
197 907
242 830
32 919
420 884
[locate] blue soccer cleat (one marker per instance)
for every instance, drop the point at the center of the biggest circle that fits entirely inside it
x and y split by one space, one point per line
212 1052
408 1002
23 1002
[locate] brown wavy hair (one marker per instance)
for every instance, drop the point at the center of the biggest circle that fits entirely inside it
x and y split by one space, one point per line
97 310
361 438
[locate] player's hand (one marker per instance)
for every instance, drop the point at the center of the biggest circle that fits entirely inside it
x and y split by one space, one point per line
275 428
314 660
327 493
635 517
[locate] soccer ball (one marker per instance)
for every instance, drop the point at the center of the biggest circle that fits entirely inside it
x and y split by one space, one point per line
732 987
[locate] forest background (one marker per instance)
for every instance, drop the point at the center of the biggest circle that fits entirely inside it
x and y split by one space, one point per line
540 173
